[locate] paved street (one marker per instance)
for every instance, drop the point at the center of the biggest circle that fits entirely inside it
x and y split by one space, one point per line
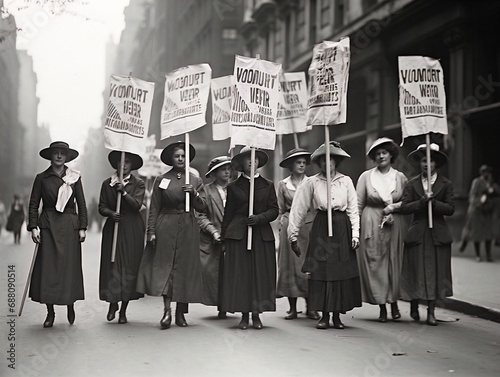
459 346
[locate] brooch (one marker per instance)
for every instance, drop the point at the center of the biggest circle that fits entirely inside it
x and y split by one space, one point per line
179 175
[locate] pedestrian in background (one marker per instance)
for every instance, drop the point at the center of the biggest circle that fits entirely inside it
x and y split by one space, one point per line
60 229
15 220
118 279
383 228
426 271
292 282
331 261
171 266
249 283
210 222
480 225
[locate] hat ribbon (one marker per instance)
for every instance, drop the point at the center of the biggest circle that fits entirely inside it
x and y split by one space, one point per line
65 190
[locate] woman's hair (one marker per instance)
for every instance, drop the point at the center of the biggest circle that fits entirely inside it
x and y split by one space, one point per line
178 148
389 147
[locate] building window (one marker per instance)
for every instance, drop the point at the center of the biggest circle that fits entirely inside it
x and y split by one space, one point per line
300 22
325 13
278 39
312 21
229 34
339 13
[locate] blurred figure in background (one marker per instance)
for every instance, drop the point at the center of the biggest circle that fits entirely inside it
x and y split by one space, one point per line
16 218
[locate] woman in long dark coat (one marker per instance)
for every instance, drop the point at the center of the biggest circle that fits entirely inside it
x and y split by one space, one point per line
59 230
210 222
331 261
426 271
16 218
171 266
249 283
118 280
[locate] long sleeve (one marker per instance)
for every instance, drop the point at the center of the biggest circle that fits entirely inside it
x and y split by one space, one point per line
445 207
300 206
103 205
36 196
229 210
199 202
272 210
352 208
361 192
204 222
154 207
135 199
82 206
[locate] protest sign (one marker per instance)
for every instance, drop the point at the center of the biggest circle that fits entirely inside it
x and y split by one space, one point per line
222 90
292 104
153 166
422 99
185 102
255 103
328 79
127 117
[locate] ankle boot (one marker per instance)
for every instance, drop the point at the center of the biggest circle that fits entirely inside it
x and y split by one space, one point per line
256 322
49 321
323 322
243 325
414 310
113 307
71 314
123 310
383 314
166 319
395 314
431 319
337 323
180 320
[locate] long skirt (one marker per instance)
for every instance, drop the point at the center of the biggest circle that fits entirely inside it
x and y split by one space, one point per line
334 284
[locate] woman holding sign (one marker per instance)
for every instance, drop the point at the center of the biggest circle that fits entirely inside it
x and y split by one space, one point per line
249 283
426 271
330 261
118 280
59 230
171 266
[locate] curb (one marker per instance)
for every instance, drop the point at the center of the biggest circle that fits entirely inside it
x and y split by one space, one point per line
472 309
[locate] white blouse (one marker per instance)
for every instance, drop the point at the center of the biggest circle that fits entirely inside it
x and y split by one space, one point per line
312 192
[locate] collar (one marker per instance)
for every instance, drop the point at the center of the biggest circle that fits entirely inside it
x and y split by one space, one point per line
257 175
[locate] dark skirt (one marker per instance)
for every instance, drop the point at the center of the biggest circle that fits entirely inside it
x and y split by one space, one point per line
334 278
249 283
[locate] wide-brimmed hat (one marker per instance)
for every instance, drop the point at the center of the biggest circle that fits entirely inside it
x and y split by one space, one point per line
439 157
237 160
384 142
168 151
115 156
216 163
71 154
335 150
293 154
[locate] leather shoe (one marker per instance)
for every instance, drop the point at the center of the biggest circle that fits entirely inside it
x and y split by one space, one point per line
243 325
292 314
113 307
323 323
71 314
180 320
313 314
166 319
395 314
49 321
222 315
256 322
337 323
122 319
431 319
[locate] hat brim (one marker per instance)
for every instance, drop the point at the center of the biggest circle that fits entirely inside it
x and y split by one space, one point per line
393 149
237 160
287 161
168 151
46 153
334 151
439 157
115 156
217 166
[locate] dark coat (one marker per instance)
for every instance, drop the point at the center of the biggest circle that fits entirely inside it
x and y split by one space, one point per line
118 280
57 275
426 271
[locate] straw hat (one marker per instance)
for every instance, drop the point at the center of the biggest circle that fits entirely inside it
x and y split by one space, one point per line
293 154
216 163
168 151
335 150
71 154
237 160
115 156
387 143
439 157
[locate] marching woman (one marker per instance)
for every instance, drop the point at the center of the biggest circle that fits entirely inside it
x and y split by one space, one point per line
383 228
292 282
426 273
60 229
118 280
171 266
210 222
249 283
331 261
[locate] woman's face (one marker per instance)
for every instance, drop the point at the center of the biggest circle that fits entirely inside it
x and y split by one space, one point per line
58 158
322 164
423 166
382 157
223 173
179 159
127 166
299 165
247 165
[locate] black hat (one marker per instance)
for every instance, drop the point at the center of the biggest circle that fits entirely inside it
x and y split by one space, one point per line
115 156
71 154
168 151
439 157
216 163
293 154
335 150
246 151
